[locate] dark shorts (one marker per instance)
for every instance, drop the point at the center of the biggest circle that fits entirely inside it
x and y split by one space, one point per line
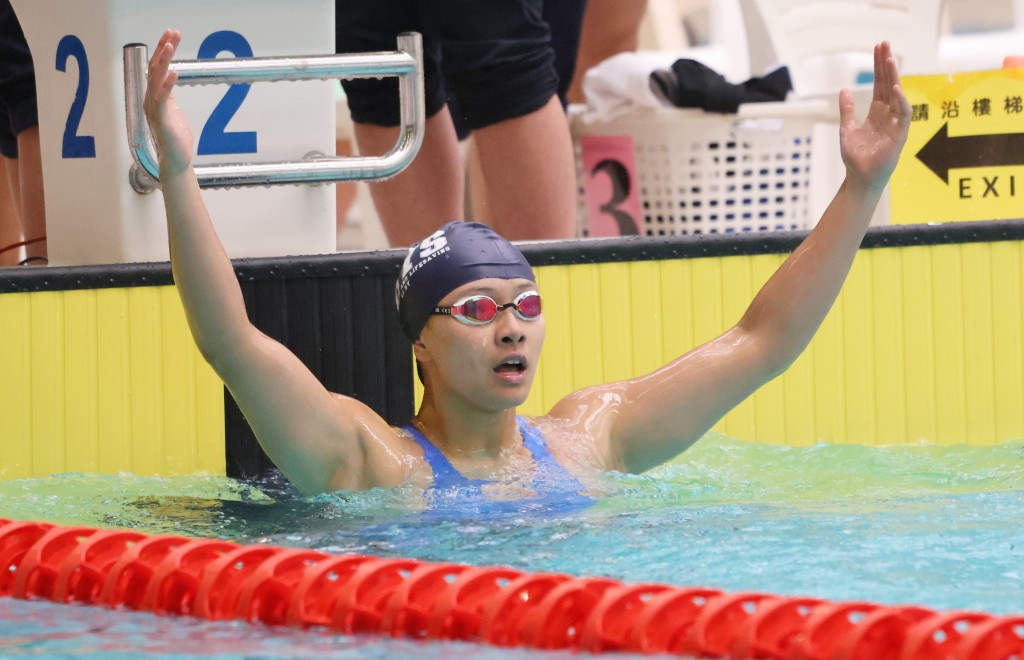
565 19
493 56
17 83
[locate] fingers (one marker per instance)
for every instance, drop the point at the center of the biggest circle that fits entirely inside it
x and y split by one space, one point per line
846 108
880 74
161 80
168 77
887 88
169 39
165 38
900 107
886 74
889 75
168 85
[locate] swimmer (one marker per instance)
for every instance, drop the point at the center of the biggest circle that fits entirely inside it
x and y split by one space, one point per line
470 304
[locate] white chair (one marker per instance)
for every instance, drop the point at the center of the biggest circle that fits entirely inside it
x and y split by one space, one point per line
827 43
726 48
984 49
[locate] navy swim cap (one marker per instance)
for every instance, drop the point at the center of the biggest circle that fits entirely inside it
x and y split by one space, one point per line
458 253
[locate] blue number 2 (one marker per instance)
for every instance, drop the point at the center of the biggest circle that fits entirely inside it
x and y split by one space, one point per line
215 139
75 145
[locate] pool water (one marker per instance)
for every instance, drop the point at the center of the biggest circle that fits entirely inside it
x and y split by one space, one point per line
936 526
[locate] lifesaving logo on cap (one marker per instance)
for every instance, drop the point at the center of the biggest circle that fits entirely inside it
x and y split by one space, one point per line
423 252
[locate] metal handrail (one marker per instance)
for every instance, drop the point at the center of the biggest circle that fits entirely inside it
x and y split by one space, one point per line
406 63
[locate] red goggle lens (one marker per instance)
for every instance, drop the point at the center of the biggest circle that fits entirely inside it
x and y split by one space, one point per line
528 306
483 309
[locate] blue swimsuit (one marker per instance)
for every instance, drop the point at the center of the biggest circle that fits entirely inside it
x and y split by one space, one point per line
555 487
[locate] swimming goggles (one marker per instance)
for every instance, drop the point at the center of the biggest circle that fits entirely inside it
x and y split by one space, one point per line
479 309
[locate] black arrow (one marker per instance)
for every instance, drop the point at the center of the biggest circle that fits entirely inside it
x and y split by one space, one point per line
944 153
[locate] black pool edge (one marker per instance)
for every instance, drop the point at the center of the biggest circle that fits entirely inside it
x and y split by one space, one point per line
541 253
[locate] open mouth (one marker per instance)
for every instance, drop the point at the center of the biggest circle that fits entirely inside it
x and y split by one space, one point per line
511 365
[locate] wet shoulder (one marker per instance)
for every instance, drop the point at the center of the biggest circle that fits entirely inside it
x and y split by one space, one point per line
389 455
570 445
582 421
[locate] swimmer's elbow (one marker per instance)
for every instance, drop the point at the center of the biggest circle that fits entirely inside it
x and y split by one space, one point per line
216 356
775 366
224 351
770 352
209 354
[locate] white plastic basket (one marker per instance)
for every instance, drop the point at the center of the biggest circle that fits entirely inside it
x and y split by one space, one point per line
704 173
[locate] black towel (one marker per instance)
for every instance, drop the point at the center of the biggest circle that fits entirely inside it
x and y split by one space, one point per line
690 84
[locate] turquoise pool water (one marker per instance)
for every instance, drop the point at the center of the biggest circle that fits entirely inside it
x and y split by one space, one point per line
935 526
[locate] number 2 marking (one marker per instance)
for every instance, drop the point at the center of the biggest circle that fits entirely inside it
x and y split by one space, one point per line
214 139
75 145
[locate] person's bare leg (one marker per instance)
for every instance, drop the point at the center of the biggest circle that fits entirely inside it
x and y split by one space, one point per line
344 191
610 27
529 175
428 193
476 195
10 217
33 206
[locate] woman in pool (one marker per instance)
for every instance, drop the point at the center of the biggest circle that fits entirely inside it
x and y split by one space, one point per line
469 303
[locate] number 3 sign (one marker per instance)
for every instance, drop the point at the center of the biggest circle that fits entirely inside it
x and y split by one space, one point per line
93 215
613 206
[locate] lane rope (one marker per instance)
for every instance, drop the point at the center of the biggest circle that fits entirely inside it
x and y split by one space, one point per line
218 580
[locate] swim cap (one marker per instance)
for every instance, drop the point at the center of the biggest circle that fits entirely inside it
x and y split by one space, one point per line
458 253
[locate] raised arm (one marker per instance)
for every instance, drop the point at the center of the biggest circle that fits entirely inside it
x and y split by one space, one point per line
321 441
656 417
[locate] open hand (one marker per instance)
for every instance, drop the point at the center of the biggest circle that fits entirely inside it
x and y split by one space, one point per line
170 129
871 150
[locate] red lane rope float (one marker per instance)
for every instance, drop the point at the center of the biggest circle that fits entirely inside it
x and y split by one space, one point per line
81 576
408 610
664 624
556 622
880 632
223 579
361 602
608 626
40 565
457 614
213 579
266 595
16 539
771 630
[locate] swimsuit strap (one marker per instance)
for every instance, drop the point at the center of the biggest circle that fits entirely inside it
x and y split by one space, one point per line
445 474
534 440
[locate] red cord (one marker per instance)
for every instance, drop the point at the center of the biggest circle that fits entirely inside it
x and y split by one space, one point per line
15 246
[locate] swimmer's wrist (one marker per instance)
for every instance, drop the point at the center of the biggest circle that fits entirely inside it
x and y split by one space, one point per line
858 183
169 174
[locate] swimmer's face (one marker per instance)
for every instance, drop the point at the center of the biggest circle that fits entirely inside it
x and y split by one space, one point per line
490 365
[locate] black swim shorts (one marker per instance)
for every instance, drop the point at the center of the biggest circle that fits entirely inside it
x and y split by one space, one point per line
17 82
493 56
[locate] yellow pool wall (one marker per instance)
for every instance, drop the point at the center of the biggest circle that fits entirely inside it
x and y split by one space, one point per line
102 381
924 345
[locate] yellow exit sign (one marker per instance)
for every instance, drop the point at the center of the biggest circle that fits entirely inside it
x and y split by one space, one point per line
964 158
